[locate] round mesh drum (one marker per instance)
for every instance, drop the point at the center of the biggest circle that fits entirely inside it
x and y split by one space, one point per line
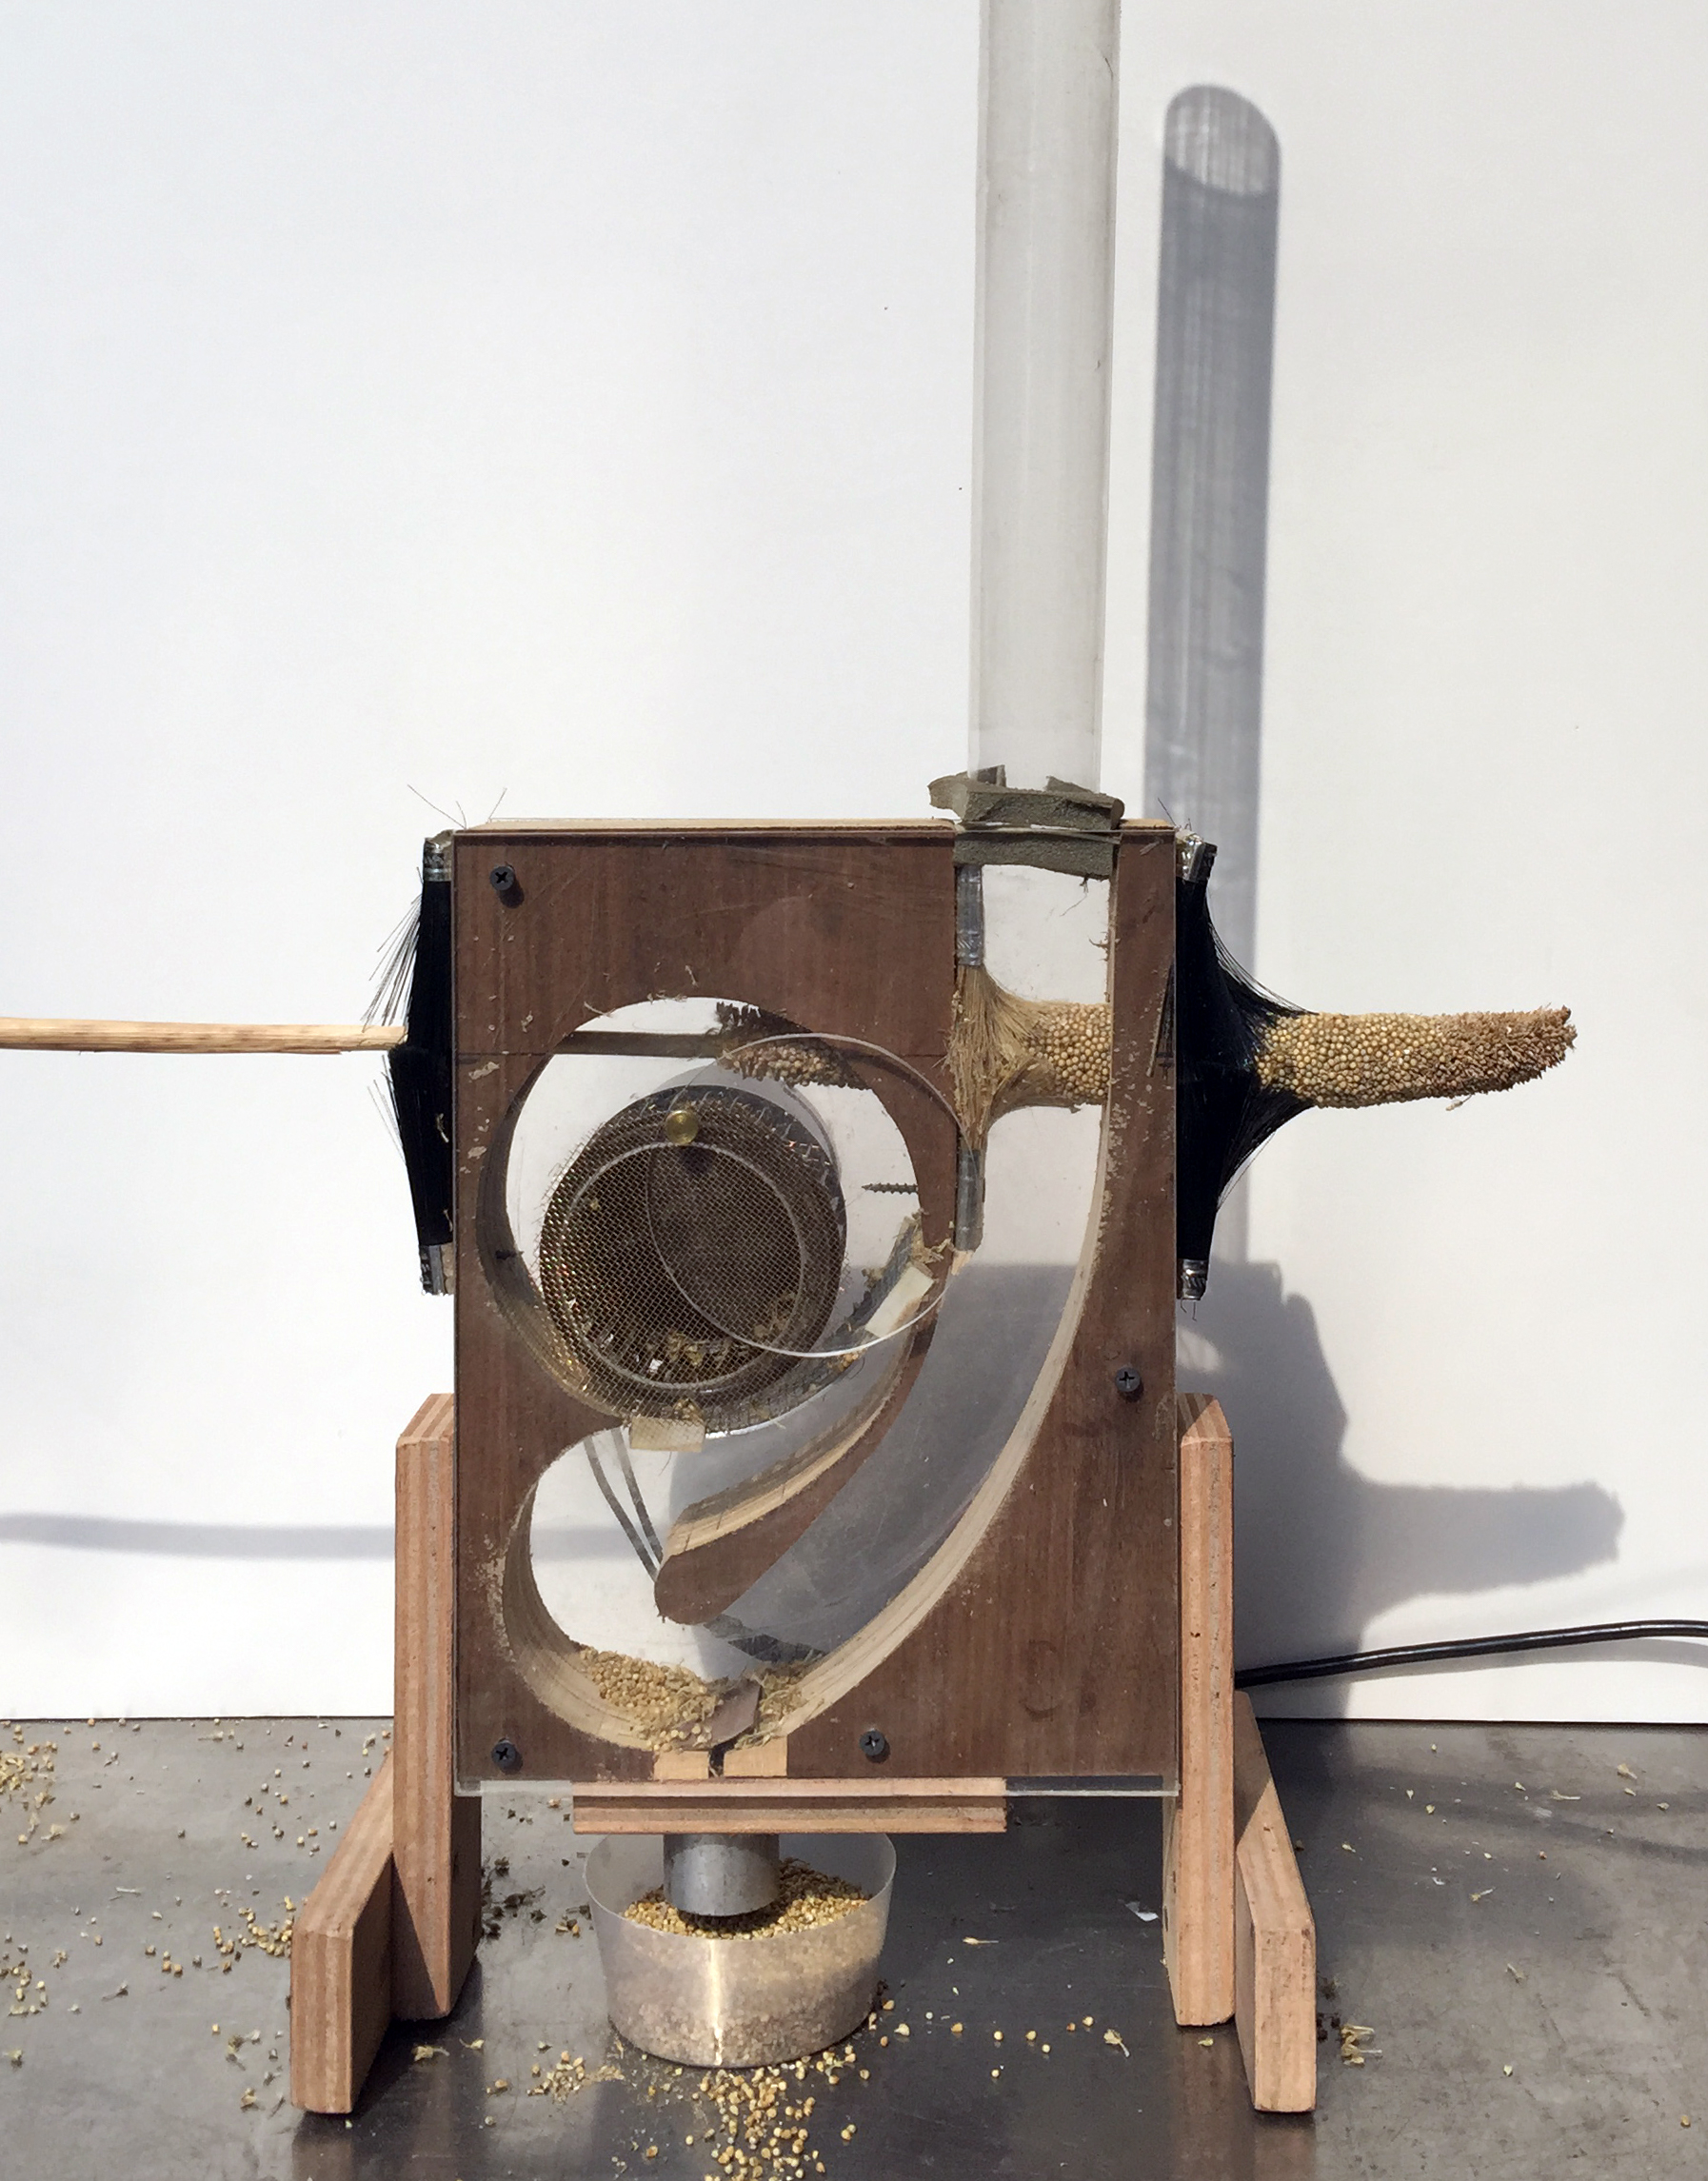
692 1251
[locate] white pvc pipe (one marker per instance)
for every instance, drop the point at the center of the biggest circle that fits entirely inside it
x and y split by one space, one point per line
1041 434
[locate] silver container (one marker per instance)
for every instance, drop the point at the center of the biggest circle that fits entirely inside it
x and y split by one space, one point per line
739 2002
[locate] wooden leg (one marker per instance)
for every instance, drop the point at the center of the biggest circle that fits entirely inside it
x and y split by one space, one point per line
341 1962
1198 1830
436 1833
1275 1938
392 1926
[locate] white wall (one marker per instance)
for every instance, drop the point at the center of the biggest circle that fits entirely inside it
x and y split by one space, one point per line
1485 783
573 402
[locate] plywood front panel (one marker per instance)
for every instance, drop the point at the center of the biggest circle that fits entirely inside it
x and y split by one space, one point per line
1048 1646
843 931
848 930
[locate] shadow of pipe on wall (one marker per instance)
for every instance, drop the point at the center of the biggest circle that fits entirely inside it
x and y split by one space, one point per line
1323 1551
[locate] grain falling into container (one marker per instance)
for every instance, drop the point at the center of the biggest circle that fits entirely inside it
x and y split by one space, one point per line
806 1899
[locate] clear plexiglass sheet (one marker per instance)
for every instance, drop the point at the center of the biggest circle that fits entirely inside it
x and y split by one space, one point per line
613 1518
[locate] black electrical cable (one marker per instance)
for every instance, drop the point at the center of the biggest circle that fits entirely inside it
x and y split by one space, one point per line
1462 1647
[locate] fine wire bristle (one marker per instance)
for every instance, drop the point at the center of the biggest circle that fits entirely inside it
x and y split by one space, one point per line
385 1104
1006 1052
397 968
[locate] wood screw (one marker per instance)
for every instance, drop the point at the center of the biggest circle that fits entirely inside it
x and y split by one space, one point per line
1129 1383
874 1744
506 1756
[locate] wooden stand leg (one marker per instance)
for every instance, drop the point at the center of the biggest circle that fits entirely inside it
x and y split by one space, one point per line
341 1962
435 1832
1198 1830
1238 1937
392 1926
1275 1938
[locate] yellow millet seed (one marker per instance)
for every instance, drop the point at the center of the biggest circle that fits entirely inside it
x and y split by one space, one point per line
1384 1060
1006 1052
669 1706
807 1897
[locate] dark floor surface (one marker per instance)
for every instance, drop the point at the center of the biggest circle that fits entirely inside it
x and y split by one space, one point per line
1517 1919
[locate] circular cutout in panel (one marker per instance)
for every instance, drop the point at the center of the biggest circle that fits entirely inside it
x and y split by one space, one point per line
692 1249
705 1249
783 1510
578 1614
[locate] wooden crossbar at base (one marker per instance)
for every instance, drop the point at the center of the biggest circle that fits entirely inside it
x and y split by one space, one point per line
793 1806
1275 1938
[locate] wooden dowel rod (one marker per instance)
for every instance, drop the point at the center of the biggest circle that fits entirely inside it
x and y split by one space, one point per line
52 1035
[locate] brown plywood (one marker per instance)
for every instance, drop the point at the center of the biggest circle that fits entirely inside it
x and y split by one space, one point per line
850 933
1049 1648
749 1805
1055 1648
1275 1938
847 929
1197 1828
435 1832
741 829
341 1962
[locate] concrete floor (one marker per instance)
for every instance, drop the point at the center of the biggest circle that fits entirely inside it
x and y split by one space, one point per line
1517 1919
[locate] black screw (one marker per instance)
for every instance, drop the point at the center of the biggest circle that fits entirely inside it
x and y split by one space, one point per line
874 1743
505 882
1129 1384
506 1756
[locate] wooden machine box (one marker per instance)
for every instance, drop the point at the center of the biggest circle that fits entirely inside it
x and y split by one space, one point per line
674 1270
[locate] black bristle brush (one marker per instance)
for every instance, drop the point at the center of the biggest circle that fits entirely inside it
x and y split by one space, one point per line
1223 1109
1246 1061
420 1067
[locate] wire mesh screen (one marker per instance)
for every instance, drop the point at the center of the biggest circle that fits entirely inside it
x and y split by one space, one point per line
693 1251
